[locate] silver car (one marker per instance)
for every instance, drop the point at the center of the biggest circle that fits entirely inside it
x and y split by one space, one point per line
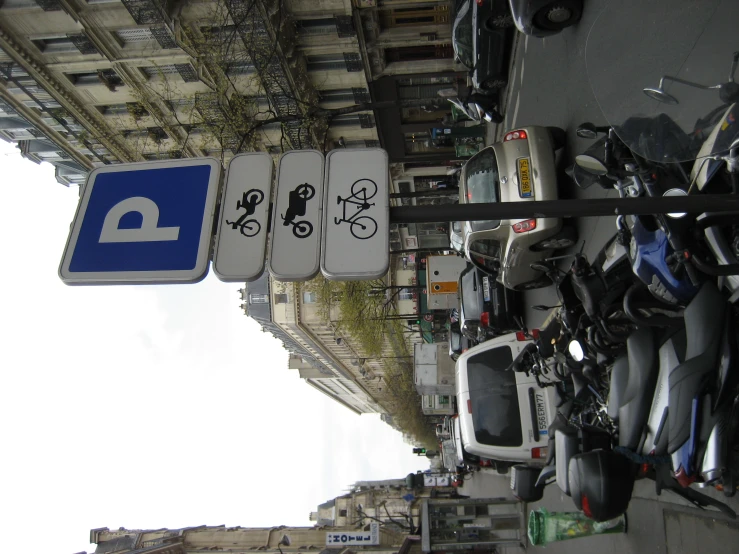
520 168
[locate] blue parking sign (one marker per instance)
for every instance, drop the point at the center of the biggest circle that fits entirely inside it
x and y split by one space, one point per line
143 223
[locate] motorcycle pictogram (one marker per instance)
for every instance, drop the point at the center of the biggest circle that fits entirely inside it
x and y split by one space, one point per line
297 202
249 202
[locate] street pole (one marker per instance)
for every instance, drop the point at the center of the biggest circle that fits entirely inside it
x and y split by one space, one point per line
593 207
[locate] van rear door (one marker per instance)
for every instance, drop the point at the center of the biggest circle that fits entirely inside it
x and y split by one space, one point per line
506 414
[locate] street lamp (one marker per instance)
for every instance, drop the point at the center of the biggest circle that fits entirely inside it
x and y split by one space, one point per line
284 541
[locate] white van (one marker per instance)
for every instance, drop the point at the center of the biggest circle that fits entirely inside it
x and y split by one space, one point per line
503 415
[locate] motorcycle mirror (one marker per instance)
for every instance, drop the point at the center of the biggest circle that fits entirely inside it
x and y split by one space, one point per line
576 350
660 95
591 164
676 192
587 130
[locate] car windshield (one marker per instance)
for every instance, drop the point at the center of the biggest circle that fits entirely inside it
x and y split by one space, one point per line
462 36
482 184
496 417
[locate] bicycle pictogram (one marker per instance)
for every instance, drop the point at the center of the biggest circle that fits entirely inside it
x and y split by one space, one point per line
249 202
361 226
297 203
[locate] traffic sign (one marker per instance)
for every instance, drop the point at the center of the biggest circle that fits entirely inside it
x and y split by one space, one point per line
140 223
295 243
242 227
356 233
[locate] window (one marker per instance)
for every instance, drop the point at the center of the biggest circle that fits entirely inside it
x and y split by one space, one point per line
309 297
239 68
481 178
342 513
55 45
496 417
322 26
9 4
280 298
107 77
462 36
326 62
160 70
405 294
128 36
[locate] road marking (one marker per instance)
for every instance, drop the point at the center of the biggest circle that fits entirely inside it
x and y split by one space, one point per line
522 62
515 111
526 44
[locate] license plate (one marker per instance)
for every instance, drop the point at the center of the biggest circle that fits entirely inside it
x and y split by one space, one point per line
524 178
486 289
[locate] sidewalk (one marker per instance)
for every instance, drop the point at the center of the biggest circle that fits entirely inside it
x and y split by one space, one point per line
656 524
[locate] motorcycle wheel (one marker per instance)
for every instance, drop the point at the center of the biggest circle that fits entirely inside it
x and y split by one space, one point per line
303 229
305 191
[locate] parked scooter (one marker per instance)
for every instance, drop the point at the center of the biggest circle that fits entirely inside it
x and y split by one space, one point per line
674 395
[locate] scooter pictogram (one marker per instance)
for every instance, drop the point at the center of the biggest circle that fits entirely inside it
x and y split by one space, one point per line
249 202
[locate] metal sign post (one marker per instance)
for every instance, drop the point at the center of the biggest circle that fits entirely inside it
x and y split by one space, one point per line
591 207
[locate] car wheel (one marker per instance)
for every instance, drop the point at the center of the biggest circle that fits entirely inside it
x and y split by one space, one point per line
499 21
558 15
538 283
494 83
559 137
564 239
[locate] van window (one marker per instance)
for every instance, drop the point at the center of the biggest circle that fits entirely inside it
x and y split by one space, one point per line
496 417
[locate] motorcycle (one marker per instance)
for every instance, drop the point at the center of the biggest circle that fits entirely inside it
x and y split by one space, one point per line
673 394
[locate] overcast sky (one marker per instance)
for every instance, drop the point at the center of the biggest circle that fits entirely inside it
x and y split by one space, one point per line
149 407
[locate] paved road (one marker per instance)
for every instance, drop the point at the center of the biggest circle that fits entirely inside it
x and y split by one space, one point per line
663 524
549 85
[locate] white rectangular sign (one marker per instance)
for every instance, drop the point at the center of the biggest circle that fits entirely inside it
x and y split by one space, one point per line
356 234
242 228
355 538
295 238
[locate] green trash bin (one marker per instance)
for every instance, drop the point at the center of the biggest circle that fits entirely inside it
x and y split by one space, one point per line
546 527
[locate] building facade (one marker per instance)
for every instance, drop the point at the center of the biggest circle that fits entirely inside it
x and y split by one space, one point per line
322 363
238 540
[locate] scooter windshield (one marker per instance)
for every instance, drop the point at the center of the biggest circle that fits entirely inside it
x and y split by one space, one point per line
644 60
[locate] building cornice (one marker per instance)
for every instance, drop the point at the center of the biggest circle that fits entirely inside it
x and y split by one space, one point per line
56 90
34 118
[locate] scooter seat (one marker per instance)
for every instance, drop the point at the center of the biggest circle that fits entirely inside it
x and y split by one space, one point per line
567 445
705 318
601 483
635 401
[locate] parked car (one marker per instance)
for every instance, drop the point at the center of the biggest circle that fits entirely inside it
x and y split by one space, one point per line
520 168
456 239
481 38
503 414
487 308
458 342
465 460
542 18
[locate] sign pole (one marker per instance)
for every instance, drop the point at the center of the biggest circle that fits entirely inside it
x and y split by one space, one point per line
593 207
